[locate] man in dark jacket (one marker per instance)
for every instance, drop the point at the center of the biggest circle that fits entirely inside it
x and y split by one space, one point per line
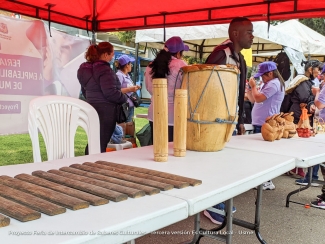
240 37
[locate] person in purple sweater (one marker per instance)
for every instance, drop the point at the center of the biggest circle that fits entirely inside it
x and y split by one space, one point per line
320 104
267 101
101 88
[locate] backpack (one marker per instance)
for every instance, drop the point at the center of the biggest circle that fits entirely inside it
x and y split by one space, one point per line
286 103
283 63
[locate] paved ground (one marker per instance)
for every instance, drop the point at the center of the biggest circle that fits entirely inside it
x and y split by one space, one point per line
279 224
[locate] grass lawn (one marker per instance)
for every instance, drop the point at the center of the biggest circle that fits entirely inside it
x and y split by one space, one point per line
17 149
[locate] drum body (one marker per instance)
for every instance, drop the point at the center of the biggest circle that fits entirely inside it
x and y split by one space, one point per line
212 105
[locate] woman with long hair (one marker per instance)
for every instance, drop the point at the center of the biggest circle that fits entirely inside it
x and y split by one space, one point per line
101 88
167 65
267 100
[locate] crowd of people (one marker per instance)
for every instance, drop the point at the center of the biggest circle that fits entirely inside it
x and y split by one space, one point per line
259 97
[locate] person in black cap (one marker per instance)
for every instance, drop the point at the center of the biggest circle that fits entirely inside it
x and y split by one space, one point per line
167 65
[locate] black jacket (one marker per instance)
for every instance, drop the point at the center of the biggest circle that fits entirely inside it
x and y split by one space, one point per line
218 56
302 94
99 84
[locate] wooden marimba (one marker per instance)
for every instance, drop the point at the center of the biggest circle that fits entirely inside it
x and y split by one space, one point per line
25 196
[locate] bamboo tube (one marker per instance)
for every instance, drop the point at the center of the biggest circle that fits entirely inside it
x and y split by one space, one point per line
160 120
180 122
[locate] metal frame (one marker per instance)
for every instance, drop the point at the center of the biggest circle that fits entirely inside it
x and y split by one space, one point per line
228 222
304 188
95 23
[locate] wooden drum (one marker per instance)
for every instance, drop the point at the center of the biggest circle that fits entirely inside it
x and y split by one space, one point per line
212 105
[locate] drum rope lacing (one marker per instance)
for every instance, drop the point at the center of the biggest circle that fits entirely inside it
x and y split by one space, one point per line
217 120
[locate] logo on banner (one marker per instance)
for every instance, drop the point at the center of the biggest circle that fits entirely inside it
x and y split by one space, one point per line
3 28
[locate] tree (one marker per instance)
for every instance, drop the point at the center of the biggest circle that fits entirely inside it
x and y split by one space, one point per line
192 60
317 24
125 36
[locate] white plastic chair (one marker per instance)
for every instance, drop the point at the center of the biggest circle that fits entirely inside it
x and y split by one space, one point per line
57 118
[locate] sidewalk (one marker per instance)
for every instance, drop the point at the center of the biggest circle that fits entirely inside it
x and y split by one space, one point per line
279 224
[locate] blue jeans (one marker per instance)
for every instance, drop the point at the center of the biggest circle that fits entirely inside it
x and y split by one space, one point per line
257 129
131 114
314 173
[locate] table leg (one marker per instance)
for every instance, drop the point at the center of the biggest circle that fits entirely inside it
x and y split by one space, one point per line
229 221
256 225
197 223
229 206
258 213
300 189
200 232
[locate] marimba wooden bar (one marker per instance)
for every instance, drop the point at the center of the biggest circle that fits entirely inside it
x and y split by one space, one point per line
47 194
88 171
144 181
36 203
4 221
92 199
17 211
25 196
191 181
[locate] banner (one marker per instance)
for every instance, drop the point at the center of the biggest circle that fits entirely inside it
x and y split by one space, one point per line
248 56
32 64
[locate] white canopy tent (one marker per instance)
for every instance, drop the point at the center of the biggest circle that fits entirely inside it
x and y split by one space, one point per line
312 42
203 39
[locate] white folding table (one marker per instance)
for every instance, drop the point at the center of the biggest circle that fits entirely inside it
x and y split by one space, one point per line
111 223
306 151
225 174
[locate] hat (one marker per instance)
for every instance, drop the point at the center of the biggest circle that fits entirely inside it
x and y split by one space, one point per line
175 44
125 59
264 68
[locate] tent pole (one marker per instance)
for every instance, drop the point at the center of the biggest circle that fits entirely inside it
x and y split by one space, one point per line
94 23
136 64
201 50
93 38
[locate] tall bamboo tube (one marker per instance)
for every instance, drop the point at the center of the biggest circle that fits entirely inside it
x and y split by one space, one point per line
180 122
160 120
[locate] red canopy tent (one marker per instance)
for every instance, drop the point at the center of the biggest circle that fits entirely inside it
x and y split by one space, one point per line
113 15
